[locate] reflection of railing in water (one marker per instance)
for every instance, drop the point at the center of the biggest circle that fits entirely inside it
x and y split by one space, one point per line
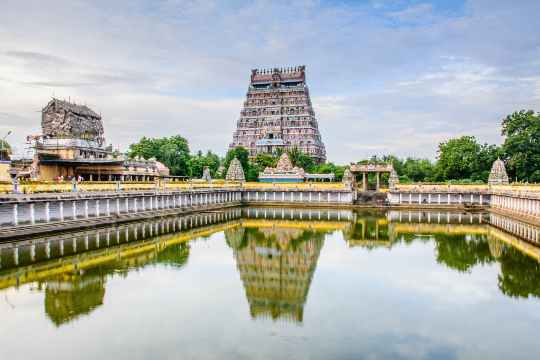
434 216
37 259
521 235
523 230
298 214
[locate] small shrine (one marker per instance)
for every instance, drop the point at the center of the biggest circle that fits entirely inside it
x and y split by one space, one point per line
235 171
206 174
498 175
349 180
393 180
283 172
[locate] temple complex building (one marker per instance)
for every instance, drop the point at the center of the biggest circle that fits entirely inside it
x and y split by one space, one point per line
278 115
72 144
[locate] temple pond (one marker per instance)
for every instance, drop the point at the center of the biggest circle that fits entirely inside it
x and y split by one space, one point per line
273 283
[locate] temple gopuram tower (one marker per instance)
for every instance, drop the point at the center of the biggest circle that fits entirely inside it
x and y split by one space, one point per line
278 115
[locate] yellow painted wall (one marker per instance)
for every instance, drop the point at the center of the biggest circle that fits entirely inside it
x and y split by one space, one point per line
4 171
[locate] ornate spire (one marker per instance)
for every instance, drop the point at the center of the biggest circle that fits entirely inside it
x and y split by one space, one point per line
284 163
235 171
393 180
498 175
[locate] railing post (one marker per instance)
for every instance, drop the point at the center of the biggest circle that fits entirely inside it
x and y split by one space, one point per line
15 214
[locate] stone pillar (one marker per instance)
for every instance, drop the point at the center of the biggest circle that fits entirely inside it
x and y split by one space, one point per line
117 206
127 205
364 182
108 207
97 208
135 210
61 210
86 209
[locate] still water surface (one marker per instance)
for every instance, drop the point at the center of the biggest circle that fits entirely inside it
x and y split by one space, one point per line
276 284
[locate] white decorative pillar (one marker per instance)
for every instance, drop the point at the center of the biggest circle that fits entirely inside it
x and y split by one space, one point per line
32 214
74 209
15 214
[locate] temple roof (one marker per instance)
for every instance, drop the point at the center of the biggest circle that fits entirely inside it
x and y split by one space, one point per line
81 110
296 73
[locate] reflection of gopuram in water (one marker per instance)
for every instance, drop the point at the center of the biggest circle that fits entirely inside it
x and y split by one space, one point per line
276 252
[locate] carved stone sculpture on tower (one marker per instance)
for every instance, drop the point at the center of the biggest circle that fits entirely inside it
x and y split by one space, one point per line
498 175
235 171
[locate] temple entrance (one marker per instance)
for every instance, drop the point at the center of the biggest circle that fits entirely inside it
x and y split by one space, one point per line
372 177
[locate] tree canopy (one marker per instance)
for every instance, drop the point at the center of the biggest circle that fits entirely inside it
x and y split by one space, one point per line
521 146
172 151
5 150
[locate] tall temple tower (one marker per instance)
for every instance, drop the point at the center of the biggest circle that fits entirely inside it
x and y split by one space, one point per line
277 114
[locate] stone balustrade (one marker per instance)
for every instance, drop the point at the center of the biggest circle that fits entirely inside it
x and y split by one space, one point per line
47 208
303 196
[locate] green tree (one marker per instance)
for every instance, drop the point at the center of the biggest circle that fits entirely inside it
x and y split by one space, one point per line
418 169
298 158
457 158
5 150
265 160
522 145
328 168
172 151
200 160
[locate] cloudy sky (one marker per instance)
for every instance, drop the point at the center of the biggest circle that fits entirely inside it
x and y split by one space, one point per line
385 76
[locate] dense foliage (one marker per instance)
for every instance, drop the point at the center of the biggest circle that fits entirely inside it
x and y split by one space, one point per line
5 150
172 151
521 146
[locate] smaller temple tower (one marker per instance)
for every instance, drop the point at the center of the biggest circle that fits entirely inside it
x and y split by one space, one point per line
235 171
498 175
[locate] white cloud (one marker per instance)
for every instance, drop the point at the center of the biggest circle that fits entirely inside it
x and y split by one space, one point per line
158 68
